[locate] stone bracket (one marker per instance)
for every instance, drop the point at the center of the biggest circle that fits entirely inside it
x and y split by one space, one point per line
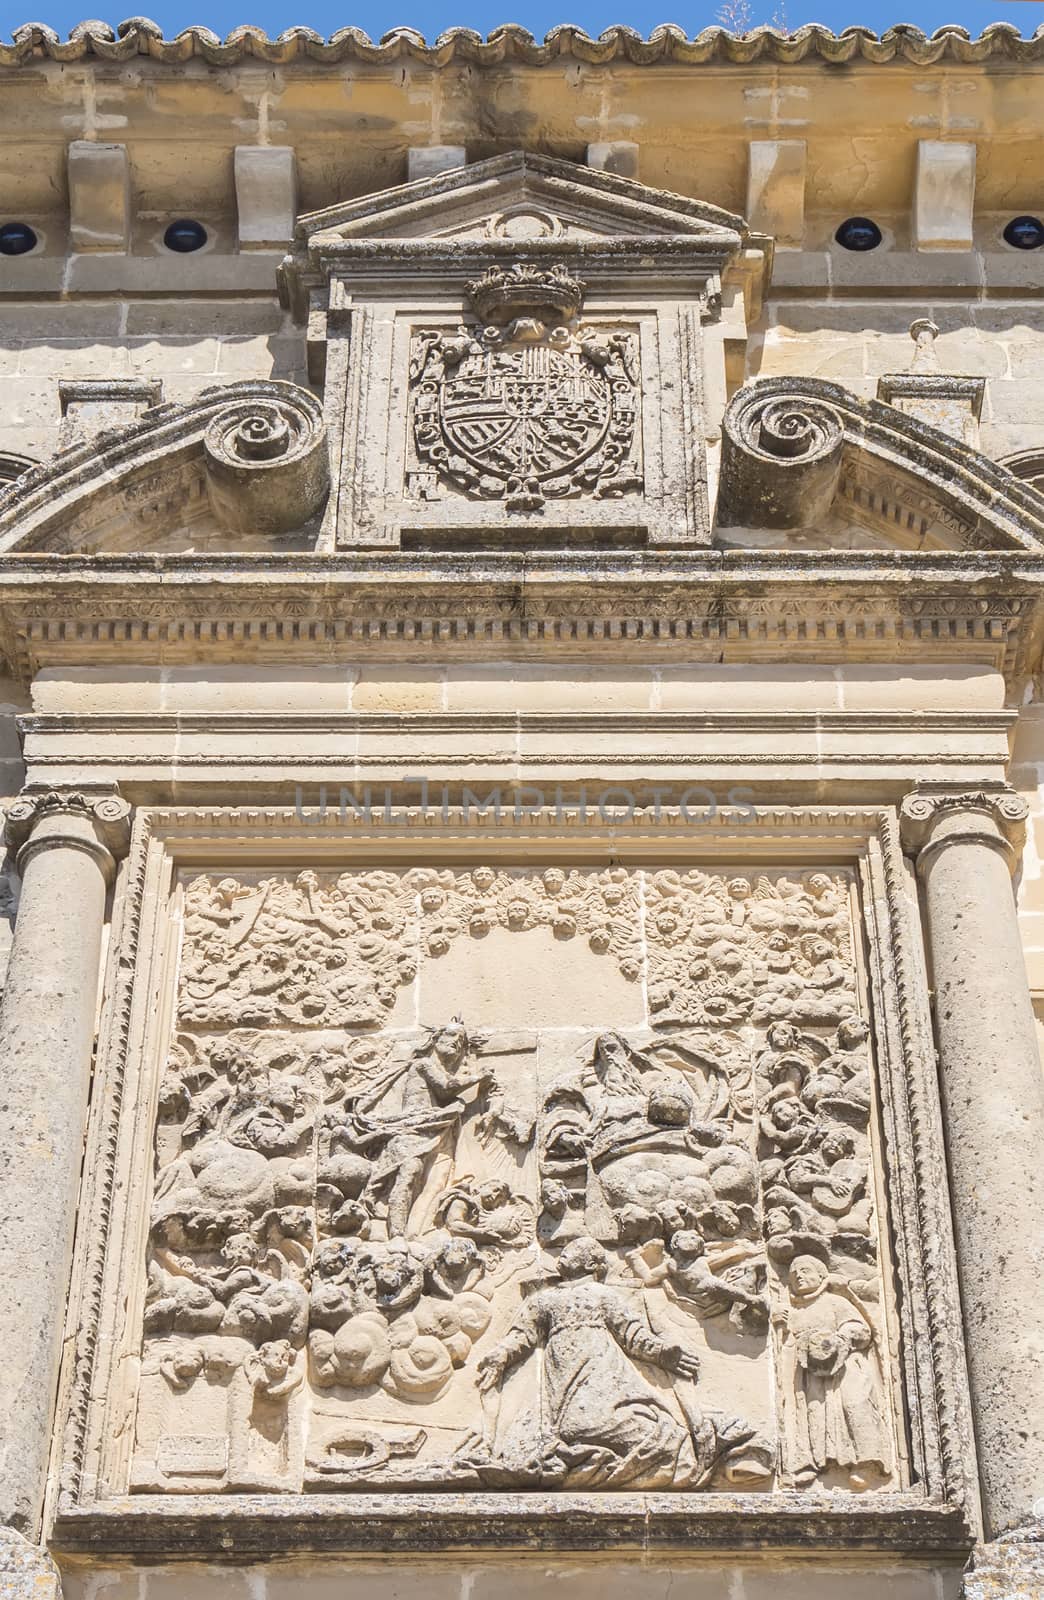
91 406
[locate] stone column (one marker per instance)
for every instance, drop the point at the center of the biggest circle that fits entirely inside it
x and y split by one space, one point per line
993 1104
66 845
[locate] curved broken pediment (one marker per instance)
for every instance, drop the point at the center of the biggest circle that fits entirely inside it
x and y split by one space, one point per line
798 452
239 466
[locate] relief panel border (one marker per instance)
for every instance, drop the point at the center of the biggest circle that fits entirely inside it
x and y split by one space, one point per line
937 1513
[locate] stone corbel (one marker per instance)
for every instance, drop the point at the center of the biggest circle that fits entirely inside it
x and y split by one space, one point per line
793 447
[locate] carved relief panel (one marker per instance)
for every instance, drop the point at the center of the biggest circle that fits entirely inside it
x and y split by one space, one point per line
472 1169
525 1177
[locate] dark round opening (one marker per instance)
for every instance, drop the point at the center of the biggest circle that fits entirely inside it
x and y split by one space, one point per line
184 236
858 233
1025 233
16 239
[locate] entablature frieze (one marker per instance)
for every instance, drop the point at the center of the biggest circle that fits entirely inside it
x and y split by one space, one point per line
655 755
702 606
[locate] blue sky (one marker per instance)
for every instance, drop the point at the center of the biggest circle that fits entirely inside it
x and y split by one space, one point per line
432 16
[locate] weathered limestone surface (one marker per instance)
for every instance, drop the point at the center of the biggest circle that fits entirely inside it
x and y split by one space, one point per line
519 1580
521 599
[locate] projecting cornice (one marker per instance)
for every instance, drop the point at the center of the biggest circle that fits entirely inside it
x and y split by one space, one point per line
139 37
794 449
707 605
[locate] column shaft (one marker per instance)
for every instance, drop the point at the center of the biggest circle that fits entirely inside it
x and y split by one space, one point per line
46 1042
993 1104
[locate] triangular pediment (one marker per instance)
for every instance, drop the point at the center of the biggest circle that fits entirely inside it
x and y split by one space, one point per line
523 196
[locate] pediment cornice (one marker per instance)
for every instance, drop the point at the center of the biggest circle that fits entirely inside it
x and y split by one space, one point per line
252 456
448 226
795 449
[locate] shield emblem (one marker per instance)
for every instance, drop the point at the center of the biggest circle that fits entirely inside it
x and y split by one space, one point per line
524 422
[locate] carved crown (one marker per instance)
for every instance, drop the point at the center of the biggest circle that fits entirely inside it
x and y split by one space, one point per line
548 294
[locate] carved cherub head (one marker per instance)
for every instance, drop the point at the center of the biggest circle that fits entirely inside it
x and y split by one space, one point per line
637 1225
493 1193
182 1365
837 1145
817 949
332 1257
687 1245
517 912
398 1280
458 1256
239 1250
274 1360
851 1033
554 1197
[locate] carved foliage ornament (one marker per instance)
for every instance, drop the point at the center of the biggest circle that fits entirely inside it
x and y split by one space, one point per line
539 1254
529 404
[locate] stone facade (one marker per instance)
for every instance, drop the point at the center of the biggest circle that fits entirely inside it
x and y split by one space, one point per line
522 785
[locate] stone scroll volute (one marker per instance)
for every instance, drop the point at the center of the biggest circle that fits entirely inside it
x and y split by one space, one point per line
560 1178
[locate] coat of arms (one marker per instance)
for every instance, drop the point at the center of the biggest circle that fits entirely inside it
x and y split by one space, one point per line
528 405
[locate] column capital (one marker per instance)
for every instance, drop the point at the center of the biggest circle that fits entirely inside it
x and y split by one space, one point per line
935 815
95 821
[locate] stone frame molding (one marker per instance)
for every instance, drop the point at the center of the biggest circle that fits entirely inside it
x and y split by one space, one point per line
937 1513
